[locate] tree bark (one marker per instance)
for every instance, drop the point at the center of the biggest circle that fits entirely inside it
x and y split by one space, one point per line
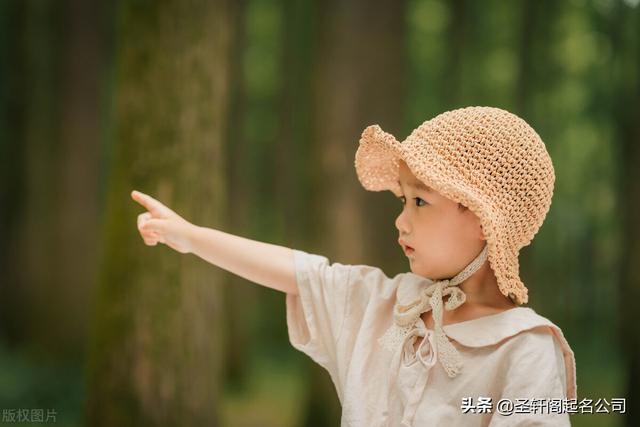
156 357
626 109
358 81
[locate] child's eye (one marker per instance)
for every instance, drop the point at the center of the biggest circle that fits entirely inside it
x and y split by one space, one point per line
417 199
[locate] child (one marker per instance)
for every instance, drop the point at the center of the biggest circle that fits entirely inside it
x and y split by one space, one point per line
447 343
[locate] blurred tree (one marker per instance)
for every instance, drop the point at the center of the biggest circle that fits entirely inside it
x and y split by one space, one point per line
534 76
79 149
267 157
53 104
12 183
237 292
155 358
358 80
626 117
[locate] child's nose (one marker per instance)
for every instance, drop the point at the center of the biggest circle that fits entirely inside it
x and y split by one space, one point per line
402 224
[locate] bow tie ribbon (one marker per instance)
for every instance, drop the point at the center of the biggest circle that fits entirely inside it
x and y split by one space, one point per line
414 298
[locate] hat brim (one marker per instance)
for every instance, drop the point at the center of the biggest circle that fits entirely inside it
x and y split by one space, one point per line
377 164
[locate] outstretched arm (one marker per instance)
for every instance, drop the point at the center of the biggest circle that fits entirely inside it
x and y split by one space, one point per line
263 263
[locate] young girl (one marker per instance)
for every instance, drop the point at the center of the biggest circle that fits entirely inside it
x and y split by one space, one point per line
447 343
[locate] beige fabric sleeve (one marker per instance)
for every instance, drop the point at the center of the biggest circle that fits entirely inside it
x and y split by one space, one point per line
315 316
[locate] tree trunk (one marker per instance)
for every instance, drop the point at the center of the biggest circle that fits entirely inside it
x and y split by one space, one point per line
156 357
51 173
358 81
625 75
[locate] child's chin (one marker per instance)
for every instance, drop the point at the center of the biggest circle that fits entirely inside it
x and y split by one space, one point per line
416 268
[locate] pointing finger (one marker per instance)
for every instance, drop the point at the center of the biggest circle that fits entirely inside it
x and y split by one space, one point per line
154 206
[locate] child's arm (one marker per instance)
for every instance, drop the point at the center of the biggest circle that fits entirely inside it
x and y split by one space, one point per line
263 263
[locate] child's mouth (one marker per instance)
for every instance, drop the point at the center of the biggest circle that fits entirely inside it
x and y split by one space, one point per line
408 250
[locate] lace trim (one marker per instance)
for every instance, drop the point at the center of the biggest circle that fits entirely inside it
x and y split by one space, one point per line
393 337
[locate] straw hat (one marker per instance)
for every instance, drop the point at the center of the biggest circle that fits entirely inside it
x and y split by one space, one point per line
485 158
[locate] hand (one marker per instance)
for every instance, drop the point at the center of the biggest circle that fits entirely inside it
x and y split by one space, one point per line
161 224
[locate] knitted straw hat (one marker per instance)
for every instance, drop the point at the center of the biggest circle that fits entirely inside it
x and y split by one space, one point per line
485 158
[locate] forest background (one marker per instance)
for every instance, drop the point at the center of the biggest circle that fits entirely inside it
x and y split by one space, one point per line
245 116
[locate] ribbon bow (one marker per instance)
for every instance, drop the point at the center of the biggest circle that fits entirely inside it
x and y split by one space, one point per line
413 299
